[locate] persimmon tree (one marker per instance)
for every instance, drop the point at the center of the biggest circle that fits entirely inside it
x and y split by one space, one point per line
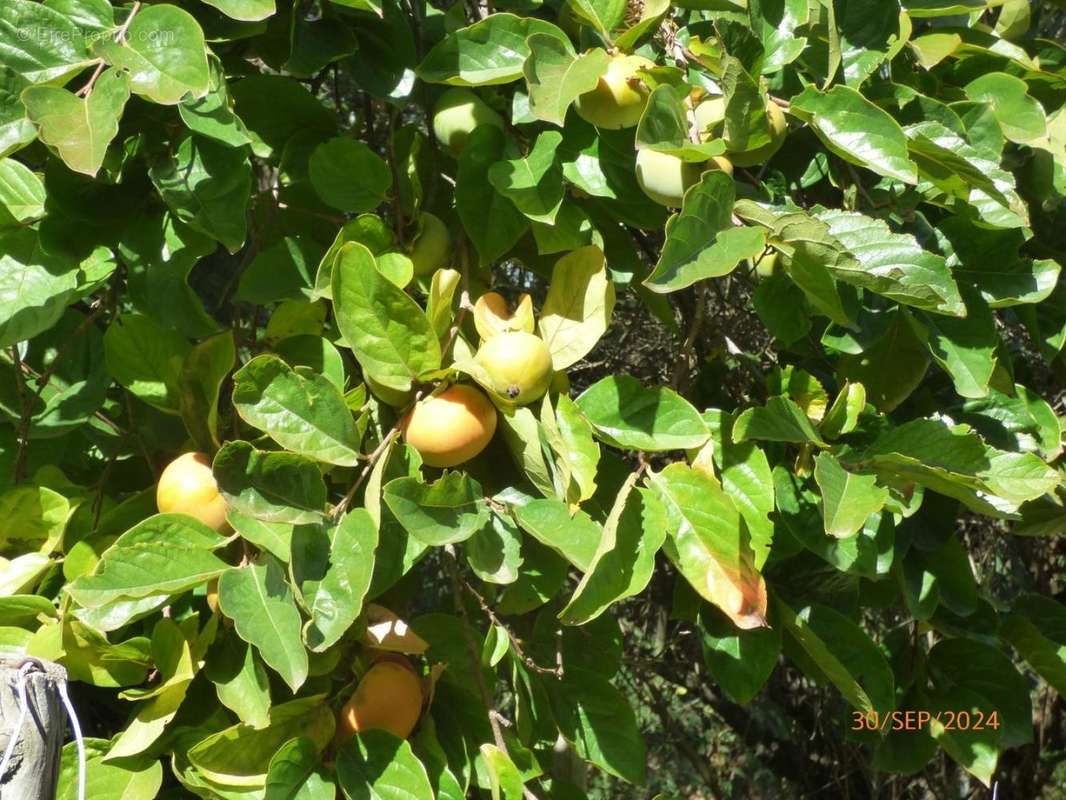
402 400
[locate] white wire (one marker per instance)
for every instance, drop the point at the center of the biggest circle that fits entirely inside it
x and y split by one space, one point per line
13 737
78 741
72 716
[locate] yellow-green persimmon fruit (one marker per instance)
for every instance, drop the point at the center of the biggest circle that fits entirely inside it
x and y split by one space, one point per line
519 365
778 130
772 263
709 114
458 113
665 178
619 97
451 427
187 486
432 246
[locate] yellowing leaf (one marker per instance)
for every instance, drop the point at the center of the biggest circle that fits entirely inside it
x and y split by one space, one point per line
492 316
578 307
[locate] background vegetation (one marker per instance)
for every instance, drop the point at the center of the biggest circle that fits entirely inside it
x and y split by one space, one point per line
831 484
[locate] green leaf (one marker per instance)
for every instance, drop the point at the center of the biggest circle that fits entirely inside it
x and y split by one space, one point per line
270 486
208 187
575 536
505 781
260 602
556 75
701 240
857 130
843 415
576 448
920 9
534 183
1036 628
212 115
16 131
348 175
709 544
628 414
276 108
164 53
240 680
446 511
39 43
302 411
1020 116
578 307
104 779
780 420
603 15
146 358
988 672
966 348
164 554
598 721
244 10
386 329
844 654
494 552
294 773
746 127
24 609
205 369
79 129
490 51
956 462
746 477
240 756
848 498
892 264
35 287
740 661
21 191
625 555
869 35
375 765
665 127
894 365
476 199
335 599
274 537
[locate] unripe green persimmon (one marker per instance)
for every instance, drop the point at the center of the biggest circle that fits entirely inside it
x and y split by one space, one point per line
519 364
770 264
619 97
665 178
709 116
458 113
430 249
778 130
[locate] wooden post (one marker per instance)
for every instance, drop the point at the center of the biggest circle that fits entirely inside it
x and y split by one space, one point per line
33 769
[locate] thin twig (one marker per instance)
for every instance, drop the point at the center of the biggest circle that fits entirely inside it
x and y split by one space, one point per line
465 306
371 460
516 643
120 36
25 415
684 361
97 309
451 564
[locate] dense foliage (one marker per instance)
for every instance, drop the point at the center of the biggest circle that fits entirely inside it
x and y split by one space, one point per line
559 370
